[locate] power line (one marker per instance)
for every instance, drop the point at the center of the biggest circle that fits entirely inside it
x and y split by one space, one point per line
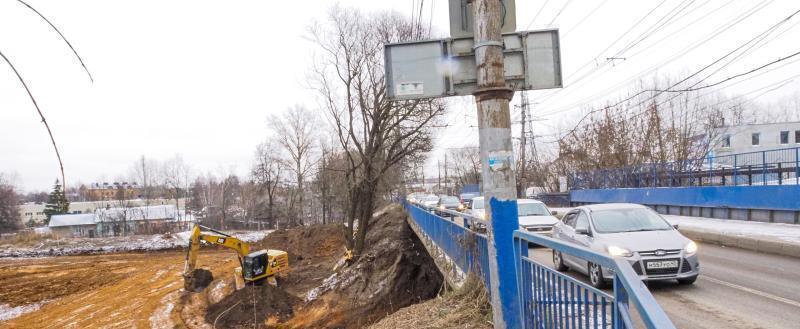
559 12
584 19
724 27
62 38
537 14
41 115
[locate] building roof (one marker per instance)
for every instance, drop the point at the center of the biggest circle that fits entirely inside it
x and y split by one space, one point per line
169 212
71 220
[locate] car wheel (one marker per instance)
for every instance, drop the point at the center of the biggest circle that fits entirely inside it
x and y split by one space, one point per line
559 262
596 276
688 281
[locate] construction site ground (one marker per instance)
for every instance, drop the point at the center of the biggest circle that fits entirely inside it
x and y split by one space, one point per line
145 289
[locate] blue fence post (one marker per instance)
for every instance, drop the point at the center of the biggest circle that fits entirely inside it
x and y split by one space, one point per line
504 283
763 168
797 165
735 168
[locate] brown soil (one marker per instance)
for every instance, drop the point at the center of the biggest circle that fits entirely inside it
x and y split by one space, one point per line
145 289
139 290
313 251
267 305
467 307
395 271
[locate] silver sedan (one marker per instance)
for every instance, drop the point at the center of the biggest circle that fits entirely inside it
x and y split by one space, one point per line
654 248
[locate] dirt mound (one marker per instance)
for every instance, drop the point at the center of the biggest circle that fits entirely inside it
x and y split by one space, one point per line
313 251
201 278
393 272
267 305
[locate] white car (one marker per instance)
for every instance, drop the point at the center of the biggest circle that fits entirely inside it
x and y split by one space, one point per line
429 200
535 217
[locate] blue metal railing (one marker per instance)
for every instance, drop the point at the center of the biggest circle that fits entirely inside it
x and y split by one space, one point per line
554 300
771 167
467 248
549 299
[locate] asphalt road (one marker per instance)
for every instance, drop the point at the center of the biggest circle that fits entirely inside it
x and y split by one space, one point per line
736 289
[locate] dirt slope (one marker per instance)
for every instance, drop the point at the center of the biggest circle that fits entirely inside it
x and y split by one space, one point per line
467 307
395 271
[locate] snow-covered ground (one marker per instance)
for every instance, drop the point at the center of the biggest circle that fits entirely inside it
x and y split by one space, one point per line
789 233
78 246
785 232
7 312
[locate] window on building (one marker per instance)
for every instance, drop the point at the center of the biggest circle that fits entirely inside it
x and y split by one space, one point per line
755 139
785 137
797 136
726 141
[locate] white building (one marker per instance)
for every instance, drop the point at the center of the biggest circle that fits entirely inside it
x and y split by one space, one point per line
119 221
755 137
35 211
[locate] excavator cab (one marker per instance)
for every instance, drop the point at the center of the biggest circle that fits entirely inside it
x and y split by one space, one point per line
264 263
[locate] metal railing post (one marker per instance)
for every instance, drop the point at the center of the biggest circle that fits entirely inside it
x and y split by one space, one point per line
735 169
797 165
763 168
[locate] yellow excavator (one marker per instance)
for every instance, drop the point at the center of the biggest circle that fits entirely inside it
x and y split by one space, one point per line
256 267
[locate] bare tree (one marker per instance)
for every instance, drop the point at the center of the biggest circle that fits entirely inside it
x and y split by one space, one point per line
374 133
295 131
145 173
267 172
175 174
9 202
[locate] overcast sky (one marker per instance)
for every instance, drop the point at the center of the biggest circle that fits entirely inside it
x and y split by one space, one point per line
199 78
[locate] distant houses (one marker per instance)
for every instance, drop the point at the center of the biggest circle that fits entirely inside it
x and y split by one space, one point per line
119 222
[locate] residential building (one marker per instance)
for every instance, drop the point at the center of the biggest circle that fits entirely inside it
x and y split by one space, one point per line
755 137
111 191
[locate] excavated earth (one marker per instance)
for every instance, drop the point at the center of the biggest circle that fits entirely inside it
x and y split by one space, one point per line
141 290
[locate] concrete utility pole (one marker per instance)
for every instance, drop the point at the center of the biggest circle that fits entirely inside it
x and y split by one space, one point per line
522 143
499 184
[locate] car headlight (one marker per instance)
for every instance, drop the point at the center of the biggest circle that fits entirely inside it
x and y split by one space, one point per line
460 207
617 251
690 248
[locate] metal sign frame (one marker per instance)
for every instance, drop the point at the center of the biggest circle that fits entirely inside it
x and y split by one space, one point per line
446 67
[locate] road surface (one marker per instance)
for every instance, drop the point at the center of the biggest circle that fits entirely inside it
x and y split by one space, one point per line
737 289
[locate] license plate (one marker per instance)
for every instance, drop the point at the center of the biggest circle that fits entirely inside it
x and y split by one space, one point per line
662 264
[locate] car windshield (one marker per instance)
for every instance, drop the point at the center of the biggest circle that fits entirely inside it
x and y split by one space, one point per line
532 209
430 198
477 203
628 220
449 200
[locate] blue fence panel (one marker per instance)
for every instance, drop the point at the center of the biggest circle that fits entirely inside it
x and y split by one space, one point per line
772 167
469 250
551 299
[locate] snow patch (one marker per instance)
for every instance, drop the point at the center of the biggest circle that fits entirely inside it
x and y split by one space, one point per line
83 246
7 312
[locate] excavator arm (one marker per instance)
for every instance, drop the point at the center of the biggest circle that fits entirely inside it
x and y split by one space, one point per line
242 249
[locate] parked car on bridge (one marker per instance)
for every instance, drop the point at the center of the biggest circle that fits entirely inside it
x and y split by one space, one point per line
535 217
429 200
466 198
447 202
654 248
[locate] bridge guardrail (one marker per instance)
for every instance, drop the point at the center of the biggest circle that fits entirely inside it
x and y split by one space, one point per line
467 248
553 299
769 167
549 299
